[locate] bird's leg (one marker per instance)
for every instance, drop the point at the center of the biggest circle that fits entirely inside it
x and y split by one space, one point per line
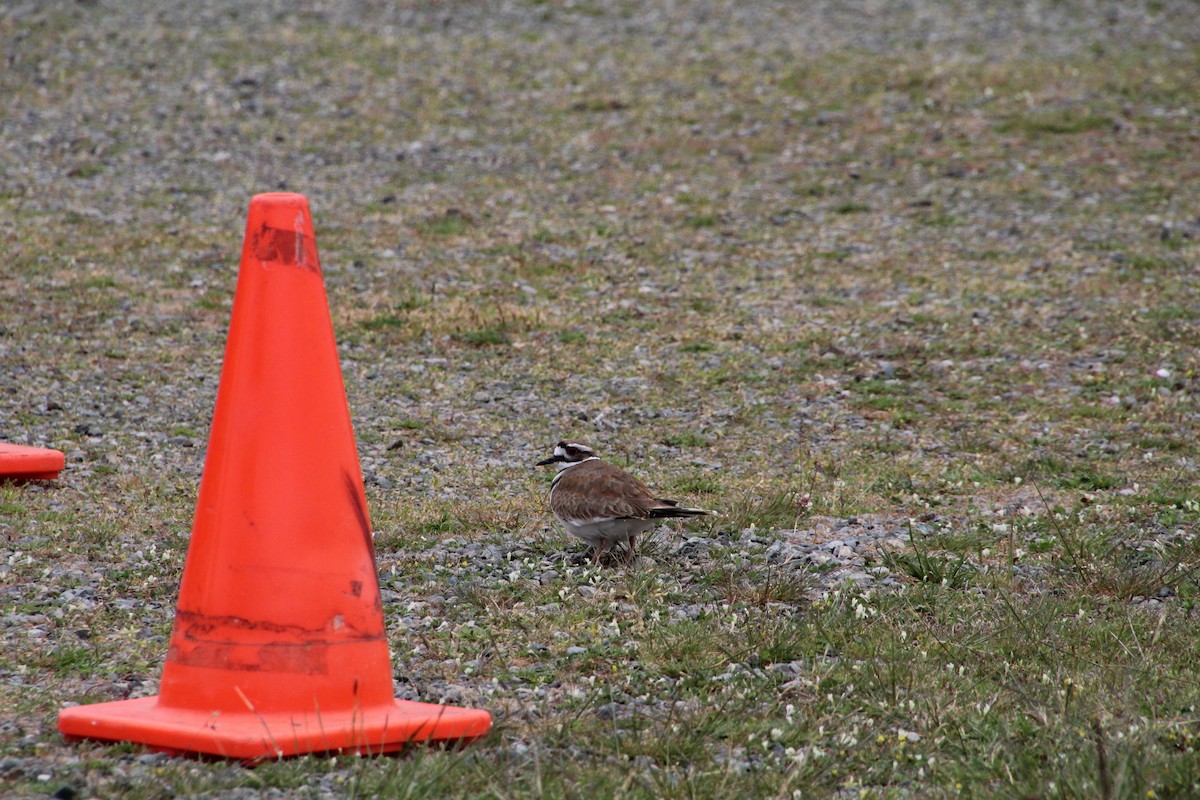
600 550
632 553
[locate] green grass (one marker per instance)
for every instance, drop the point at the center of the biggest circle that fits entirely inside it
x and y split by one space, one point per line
926 567
850 207
1054 123
686 439
452 223
572 336
484 337
384 321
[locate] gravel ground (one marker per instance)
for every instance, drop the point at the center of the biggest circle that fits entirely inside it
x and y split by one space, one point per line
446 148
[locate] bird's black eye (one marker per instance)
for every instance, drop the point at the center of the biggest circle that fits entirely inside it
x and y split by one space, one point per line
572 451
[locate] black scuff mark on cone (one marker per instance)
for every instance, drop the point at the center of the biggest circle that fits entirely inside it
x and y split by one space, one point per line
360 512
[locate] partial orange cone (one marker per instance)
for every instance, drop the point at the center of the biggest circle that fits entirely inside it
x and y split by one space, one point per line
279 646
19 462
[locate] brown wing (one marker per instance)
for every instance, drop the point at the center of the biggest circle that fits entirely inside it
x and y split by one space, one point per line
595 490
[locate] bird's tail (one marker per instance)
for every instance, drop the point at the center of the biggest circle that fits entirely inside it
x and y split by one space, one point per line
672 510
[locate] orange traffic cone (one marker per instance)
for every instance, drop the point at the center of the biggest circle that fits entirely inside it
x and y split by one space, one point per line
279 646
20 462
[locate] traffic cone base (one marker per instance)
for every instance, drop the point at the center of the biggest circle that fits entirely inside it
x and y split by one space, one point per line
252 736
20 462
279 647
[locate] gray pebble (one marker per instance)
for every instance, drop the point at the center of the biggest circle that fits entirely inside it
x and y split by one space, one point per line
611 711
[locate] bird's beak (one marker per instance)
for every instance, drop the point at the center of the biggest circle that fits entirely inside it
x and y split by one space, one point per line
550 460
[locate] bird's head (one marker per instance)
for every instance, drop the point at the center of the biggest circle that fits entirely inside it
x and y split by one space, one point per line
568 453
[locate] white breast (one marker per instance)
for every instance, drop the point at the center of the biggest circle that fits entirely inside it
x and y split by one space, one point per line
608 529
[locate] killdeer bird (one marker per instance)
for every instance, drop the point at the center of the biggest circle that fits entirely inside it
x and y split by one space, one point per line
603 504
